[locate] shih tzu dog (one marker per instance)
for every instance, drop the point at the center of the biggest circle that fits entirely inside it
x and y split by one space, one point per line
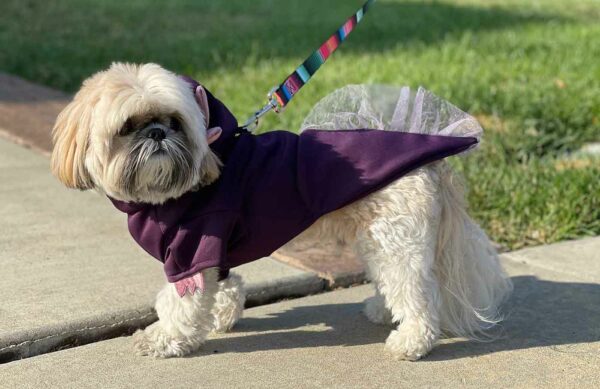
202 195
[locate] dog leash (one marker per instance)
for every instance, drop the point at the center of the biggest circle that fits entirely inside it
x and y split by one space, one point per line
281 95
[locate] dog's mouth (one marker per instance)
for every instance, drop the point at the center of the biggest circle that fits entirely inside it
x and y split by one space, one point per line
168 146
161 151
157 166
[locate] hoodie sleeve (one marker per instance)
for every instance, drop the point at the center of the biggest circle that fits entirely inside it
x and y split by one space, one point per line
200 244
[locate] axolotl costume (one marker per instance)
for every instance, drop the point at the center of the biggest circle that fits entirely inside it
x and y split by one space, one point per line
275 185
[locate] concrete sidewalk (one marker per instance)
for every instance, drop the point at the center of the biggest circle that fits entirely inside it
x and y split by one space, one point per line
71 274
550 339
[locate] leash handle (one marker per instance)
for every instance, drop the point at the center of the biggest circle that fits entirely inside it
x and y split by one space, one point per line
281 95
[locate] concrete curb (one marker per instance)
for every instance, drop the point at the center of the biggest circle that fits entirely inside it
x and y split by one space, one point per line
283 288
549 339
37 341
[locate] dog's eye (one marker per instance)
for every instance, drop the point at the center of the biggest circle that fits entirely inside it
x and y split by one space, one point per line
127 128
175 124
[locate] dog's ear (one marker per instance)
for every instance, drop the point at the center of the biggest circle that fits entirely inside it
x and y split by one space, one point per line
202 100
212 134
210 169
70 136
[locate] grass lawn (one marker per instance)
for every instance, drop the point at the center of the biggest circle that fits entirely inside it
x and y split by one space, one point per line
530 70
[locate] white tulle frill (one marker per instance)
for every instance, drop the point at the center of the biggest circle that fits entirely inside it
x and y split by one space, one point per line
391 109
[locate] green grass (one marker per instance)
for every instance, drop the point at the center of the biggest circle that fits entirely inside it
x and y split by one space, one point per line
529 69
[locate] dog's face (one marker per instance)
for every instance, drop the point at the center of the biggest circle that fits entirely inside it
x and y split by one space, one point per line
137 133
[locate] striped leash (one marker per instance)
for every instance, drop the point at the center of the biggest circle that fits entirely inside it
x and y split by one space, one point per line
281 95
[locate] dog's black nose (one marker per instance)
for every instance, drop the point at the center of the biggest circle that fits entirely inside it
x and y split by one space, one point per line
157 134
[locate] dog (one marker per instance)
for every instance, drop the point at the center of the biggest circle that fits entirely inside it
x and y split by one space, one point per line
139 134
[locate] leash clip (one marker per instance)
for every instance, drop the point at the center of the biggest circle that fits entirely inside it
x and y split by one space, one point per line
272 105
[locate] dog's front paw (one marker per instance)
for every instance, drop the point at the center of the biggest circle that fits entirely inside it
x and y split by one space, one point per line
229 304
410 343
155 342
225 320
227 312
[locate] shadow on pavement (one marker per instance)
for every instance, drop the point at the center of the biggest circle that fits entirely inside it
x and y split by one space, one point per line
541 313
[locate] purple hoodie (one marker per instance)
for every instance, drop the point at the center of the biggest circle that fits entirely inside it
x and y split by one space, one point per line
272 187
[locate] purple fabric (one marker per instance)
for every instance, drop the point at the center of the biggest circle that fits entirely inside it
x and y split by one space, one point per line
272 187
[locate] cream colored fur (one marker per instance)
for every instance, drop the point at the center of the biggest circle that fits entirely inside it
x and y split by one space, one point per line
433 268
89 154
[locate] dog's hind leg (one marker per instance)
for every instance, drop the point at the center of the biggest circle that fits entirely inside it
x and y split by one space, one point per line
184 322
399 248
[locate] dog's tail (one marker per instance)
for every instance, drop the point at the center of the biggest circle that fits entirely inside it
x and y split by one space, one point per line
473 283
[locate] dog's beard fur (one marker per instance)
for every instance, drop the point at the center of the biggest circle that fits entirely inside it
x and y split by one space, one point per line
102 138
153 169
157 167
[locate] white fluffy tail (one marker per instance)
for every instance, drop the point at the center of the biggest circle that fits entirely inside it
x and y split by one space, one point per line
472 282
